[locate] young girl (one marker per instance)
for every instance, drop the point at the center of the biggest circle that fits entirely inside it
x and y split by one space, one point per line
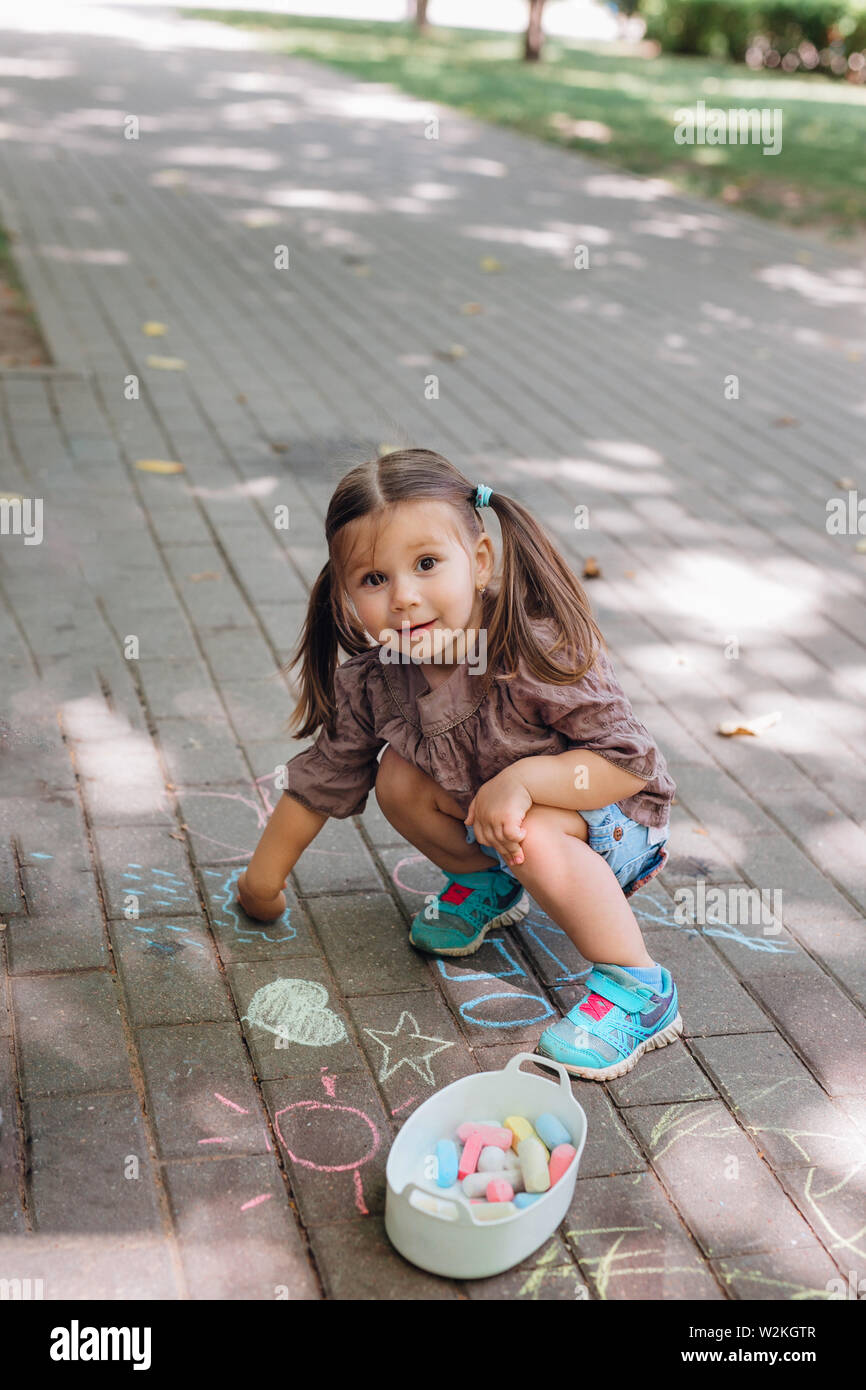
530 755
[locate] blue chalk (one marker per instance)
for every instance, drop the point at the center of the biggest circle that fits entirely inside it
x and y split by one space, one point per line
526 1199
551 1131
447 1163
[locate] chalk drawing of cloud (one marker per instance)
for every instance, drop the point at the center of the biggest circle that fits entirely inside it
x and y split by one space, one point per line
297 1011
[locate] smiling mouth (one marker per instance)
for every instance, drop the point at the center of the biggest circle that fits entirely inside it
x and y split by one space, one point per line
421 626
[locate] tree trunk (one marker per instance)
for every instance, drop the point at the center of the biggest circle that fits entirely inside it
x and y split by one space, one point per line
534 32
421 15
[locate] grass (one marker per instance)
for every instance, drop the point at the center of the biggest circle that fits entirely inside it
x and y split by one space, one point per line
626 106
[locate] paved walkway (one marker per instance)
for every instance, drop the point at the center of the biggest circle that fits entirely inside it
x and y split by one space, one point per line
155 1140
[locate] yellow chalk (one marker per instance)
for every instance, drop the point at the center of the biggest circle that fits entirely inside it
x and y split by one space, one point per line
522 1129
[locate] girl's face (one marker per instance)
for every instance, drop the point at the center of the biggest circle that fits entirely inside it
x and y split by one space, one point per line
421 575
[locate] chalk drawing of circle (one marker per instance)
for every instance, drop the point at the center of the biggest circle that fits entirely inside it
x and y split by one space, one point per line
466 1010
344 1133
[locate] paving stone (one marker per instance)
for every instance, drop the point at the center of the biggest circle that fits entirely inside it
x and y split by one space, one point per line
800 1274
808 897
90 1167
123 1269
263 704
412 1045
243 938
779 1102
294 1019
69 1034
179 690
169 971
238 654
631 1243
200 751
237 1234
11 1159
821 1023
223 823
548 1274
200 1091
150 864
495 996
336 860
666 1075
358 1263
366 945
10 892
832 1198
54 827
64 940
335 1140
52 888
692 1147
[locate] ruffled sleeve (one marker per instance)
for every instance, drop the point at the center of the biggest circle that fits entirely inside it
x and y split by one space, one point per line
334 777
594 714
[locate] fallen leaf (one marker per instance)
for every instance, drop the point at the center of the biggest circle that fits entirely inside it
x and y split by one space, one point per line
241 399
154 329
786 420
845 482
749 726
490 263
176 835
860 547
450 354
472 308
696 830
628 574
169 178
591 569
166 364
280 448
159 466
203 574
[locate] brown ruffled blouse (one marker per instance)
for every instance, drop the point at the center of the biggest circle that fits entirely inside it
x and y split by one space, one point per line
469 729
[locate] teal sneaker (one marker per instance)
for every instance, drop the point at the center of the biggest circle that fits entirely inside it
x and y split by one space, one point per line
615 1023
469 906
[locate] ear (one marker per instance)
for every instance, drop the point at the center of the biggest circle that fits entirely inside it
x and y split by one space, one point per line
485 560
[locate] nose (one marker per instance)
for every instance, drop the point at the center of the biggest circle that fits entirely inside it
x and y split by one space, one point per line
405 596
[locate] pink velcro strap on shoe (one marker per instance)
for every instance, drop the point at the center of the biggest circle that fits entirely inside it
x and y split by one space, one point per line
595 1006
618 994
456 893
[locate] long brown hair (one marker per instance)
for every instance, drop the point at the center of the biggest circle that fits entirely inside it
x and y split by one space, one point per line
536 583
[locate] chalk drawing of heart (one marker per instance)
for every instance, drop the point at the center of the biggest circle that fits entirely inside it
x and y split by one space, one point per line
296 1010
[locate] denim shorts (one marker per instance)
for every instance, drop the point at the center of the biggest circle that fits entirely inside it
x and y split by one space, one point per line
636 853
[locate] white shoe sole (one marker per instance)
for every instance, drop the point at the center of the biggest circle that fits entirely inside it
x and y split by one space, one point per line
505 919
668 1035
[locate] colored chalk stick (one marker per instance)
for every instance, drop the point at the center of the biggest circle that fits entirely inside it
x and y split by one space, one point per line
470 1127
522 1129
491 1159
475 1184
560 1160
551 1131
447 1163
478 1140
533 1161
498 1190
526 1199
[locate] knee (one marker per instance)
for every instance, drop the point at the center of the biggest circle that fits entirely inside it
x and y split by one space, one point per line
395 777
544 824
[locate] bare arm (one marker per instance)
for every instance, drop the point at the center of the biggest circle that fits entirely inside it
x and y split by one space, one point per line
285 837
576 780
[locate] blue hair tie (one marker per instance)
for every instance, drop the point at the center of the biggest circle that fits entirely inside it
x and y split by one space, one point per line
483 495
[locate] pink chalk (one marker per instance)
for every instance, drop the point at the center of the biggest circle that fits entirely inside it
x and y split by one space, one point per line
470 1127
560 1160
499 1190
479 1139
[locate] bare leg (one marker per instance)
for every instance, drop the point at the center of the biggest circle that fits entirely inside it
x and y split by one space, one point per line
569 881
427 817
578 889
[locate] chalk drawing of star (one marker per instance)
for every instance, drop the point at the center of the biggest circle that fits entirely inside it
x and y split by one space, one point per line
418 1058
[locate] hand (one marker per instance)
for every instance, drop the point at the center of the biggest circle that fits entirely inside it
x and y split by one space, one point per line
263 909
496 812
